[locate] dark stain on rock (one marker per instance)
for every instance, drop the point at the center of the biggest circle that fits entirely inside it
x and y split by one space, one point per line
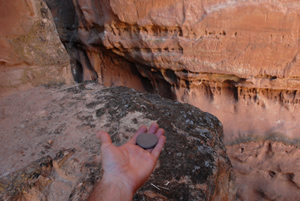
100 112
193 162
44 13
14 184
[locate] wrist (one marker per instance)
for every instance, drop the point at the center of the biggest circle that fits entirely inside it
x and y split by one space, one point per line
118 181
114 188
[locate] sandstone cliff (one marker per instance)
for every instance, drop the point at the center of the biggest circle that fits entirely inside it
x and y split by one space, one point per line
50 152
31 52
235 59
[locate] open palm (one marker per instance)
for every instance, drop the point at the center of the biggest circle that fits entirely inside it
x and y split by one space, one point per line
130 164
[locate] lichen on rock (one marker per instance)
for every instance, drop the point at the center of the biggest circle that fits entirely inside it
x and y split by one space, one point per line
193 164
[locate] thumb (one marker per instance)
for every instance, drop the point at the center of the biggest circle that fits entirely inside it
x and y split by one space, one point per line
103 137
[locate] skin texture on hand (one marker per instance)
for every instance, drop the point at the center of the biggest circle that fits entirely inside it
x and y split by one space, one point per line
126 168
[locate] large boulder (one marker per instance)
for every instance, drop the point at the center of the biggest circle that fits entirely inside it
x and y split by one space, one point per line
51 152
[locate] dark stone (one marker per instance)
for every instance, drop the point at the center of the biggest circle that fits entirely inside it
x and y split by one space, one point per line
146 140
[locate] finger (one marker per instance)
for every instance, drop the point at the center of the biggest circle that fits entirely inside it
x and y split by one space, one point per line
160 132
160 145
142 129
104 137
153 128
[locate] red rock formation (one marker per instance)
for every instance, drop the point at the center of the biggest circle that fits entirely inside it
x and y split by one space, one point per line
266 170
235 59
30 49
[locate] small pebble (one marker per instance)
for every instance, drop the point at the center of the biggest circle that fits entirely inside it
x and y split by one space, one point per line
146 140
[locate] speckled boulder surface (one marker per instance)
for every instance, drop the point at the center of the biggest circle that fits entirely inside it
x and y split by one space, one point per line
49 150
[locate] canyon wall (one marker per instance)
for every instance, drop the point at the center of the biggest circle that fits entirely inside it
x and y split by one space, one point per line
235 59
31 52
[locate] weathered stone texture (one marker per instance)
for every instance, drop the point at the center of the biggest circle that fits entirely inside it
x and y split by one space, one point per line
251 40
31 52
234 59
266 170
51 152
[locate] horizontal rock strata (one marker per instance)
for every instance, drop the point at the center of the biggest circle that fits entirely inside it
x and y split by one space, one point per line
235 59
247 39
51 152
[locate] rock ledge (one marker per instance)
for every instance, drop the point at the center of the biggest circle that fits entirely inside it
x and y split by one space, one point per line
51 152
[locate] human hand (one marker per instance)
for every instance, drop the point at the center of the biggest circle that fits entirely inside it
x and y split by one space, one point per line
129 166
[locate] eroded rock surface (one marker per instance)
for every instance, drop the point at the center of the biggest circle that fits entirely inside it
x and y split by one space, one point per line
235 59
31 52
251 40
266 170
49 150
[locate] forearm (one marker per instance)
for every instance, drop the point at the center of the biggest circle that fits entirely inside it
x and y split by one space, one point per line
108 190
